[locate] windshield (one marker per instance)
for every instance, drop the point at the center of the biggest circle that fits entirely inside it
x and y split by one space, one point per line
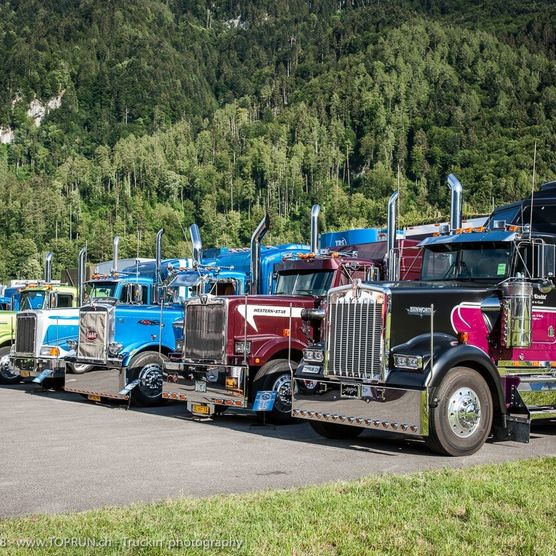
185 287
35 299
304 283
457 262
97 290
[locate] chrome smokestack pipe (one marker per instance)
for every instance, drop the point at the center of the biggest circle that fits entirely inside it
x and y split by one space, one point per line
116 254
315 211
48 267
158 263
256 238
81 274
455 202
391 262
197 243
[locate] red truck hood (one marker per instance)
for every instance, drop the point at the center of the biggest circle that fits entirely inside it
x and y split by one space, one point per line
265 314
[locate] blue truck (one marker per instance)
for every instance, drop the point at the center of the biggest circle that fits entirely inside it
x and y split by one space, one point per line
46 326
126 345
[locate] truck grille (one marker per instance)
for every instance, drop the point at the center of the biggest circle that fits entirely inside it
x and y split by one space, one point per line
25 333
94 334
205 332
355 339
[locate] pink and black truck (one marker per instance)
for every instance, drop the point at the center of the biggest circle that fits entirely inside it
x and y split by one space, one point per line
467 353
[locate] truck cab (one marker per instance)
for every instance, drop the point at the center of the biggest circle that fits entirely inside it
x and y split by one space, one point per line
48 299
48 324
466 353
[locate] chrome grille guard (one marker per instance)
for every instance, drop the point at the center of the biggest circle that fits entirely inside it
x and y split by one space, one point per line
357 332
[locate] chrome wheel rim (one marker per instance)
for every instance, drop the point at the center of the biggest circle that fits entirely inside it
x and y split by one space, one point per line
283 388
464 412
81 367
151 380
6 368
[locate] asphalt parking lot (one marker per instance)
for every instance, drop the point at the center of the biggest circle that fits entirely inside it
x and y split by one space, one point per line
60 453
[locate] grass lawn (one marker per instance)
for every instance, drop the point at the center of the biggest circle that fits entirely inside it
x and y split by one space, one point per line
495 509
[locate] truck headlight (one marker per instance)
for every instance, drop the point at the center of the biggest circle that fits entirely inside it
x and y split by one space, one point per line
51 351
410 362
313 355
114 348
242 348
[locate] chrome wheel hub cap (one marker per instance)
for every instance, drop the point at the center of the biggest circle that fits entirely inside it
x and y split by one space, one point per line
151 380
464 412
6 368
283 388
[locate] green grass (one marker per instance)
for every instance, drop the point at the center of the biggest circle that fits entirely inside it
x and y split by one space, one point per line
496 509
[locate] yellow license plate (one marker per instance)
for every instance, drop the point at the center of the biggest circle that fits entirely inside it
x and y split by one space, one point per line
93 398
200 409
24 374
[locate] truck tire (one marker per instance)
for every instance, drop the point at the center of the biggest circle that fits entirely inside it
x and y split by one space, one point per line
460 424
8 375
334 431
78 368
276 375
147 367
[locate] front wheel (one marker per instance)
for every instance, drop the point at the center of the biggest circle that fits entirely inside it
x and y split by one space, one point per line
147 368
276 376
461 422
8 373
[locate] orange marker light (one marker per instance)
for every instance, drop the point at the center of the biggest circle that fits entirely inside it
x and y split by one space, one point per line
463 337
286 332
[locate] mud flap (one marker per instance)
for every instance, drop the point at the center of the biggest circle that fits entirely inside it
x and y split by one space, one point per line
129 387
516 428
39 379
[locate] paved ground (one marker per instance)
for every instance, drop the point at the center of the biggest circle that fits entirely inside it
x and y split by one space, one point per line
60 453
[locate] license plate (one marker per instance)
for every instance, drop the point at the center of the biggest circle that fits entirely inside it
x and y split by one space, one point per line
200 409
311 369
24 374
200 386
93 398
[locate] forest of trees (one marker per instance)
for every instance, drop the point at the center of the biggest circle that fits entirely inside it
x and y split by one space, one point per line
181 111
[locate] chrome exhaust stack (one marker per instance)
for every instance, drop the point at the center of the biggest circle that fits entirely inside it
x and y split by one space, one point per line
256 239
158 264
315 211
116 254
48 267
196 242
456 202
391 262
81 275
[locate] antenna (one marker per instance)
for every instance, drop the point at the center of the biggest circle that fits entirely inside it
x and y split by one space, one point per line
533 188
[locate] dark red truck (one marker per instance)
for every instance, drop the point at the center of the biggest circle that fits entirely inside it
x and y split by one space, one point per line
236 346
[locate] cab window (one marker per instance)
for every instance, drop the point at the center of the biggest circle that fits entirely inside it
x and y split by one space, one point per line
65 300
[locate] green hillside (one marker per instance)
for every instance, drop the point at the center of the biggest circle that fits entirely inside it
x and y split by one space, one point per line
178 111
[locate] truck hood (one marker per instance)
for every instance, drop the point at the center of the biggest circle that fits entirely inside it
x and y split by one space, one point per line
264 313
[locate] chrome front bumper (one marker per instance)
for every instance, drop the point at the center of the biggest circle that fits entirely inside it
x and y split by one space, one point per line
210 385
31 367
361 405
